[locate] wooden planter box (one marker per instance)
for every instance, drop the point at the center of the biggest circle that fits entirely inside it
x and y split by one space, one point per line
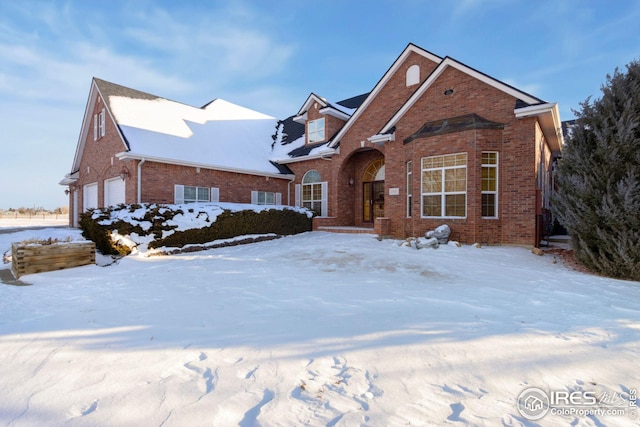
34 258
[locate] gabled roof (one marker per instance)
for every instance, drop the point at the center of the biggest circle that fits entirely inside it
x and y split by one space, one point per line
411 48
220 135
526 105
293 130
450 62
341 109
311 99
96 90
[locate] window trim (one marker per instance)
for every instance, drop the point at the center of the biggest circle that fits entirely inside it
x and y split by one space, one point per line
318 128
257 195
179 194
322 198
444 193
494 192
409 169
99 125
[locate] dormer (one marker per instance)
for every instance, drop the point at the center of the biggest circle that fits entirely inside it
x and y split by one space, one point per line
321 118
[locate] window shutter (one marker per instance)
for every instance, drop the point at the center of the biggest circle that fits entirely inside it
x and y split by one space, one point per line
278 198
178 194
325 198
254 197
102 128
215 194
298 191
95 127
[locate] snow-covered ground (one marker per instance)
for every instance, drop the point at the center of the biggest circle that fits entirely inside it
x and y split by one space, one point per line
314 329
8 223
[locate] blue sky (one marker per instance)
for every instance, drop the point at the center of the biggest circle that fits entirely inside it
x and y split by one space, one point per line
269 55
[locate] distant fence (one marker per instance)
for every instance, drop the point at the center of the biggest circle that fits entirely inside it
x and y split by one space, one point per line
34 216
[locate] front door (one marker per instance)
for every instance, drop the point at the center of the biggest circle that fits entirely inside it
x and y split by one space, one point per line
373 200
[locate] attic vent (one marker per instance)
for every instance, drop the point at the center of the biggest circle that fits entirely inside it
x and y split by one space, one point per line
413 75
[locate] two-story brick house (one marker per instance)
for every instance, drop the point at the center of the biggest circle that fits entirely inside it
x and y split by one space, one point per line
435 141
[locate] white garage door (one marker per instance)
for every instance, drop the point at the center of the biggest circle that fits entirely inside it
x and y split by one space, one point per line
90 196
113 192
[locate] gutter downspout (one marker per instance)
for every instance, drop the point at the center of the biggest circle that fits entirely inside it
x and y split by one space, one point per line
140 180
289 190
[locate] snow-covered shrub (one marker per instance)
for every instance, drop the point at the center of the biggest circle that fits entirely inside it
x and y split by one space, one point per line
180 225
598 177
239 223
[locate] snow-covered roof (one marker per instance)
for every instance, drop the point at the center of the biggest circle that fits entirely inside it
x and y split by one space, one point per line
292 146
220 135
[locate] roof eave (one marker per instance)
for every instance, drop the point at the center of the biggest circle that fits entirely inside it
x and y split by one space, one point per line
126 155
70 178
320 155
330 111
548 115
302 118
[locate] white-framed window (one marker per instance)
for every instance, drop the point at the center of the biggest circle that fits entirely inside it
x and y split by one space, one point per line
313 193
409 188
489 184
99 125
266 198
444 186
194 194
315 130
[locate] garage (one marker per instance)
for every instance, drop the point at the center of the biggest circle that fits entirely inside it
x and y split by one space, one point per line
114 192
90 196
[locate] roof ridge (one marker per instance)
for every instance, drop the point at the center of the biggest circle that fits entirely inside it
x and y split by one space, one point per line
108 88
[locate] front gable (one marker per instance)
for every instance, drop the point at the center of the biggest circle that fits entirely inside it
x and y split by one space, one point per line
96 103
391 91
443 83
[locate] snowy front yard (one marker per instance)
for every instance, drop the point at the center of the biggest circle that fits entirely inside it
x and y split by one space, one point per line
314 329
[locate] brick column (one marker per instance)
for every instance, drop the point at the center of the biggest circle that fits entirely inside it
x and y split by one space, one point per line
382 227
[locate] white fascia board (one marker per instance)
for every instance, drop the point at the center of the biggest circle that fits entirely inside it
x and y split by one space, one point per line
320 155
300 119
534 110
133 156
450 62
86 120
380 139
491 81
307 104
411 48
549 118
69 179
330 111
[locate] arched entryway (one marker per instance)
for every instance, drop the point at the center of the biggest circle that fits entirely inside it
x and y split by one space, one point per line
373 191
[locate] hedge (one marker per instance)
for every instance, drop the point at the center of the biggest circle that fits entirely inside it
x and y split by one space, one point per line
98 224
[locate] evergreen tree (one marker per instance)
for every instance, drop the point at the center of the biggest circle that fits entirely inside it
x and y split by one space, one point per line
598 177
